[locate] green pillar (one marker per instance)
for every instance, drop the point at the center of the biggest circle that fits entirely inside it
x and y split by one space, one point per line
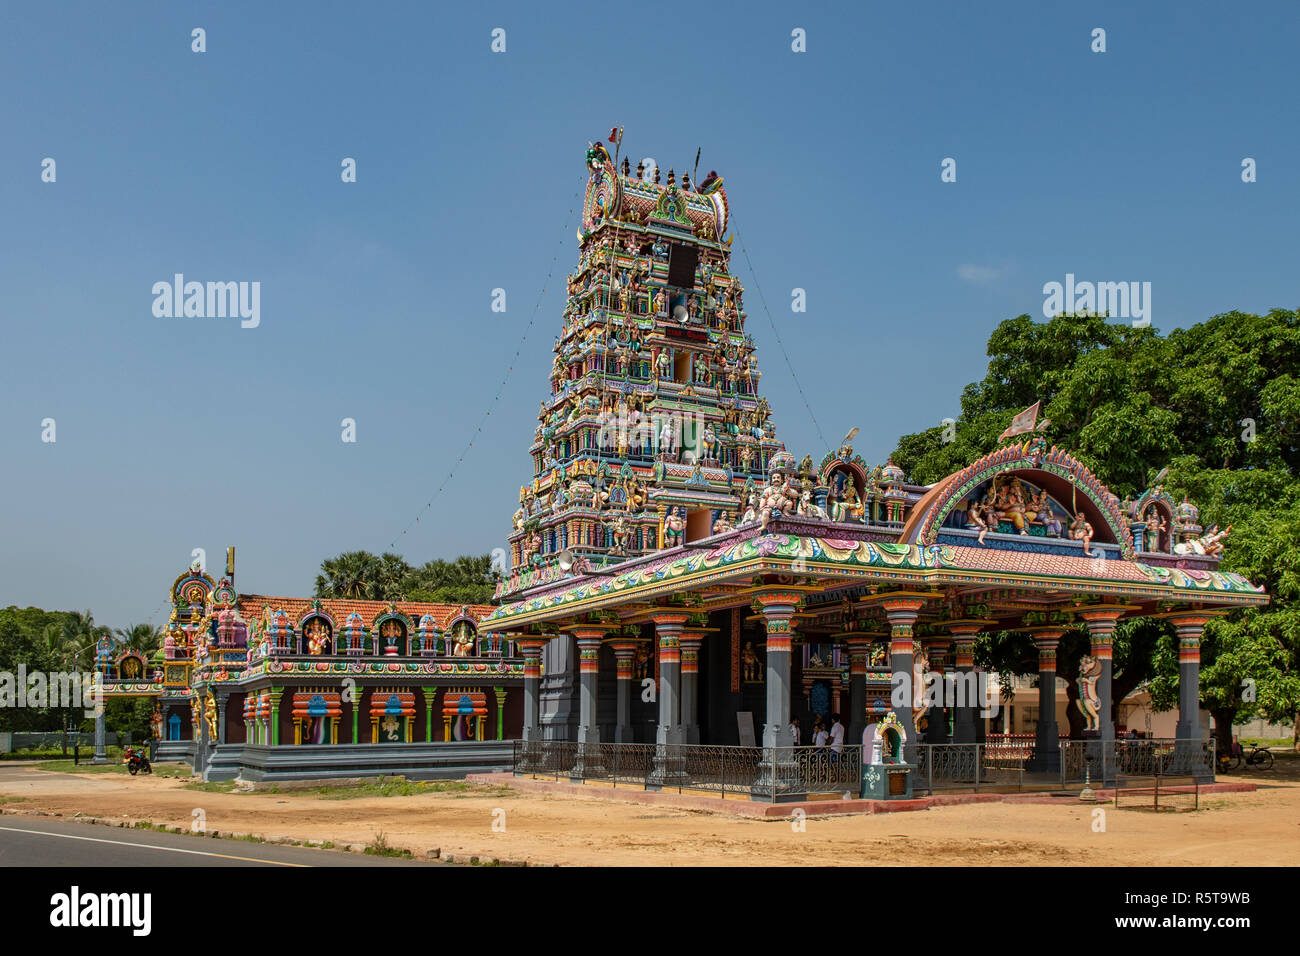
501 711
430 694
275 716
356 712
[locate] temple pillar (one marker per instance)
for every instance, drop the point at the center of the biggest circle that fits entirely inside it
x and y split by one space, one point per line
531 648
1189 625
778 770
624 658
670 764
692 638
936 649
859 646
430 695
500 694
967 697
588 640
222 701
1047 743
1101 622
901 610
275 716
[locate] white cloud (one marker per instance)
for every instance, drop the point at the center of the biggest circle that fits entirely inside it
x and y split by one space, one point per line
981 274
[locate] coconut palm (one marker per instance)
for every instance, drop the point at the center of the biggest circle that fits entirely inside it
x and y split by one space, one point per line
145 638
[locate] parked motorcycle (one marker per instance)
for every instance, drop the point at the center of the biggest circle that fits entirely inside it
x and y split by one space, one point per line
136 761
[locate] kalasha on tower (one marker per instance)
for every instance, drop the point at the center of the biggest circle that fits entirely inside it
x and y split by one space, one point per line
654 432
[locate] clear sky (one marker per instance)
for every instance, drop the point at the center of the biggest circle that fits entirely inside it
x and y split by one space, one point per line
180 433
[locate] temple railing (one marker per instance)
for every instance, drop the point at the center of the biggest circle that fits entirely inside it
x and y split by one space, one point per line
760 773
1013 765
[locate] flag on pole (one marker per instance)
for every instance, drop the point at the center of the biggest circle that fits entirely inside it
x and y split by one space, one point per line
1024 422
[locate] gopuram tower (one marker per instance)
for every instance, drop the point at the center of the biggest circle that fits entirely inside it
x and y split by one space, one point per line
653 433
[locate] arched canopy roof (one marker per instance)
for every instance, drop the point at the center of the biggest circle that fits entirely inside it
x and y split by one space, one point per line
1064 477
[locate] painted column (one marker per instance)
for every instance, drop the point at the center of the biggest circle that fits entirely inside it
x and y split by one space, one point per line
624 657
589 640
936 649
859 646
1101 622
692 638
1189 625
778 771
901 610
275 716
500 694
670 764
968 698
221 717
430 695
531 648
1047 744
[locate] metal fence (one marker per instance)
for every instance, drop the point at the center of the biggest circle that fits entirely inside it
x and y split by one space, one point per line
765 773
1011 765
762 773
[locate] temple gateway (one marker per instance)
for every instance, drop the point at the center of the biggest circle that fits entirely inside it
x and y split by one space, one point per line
680 578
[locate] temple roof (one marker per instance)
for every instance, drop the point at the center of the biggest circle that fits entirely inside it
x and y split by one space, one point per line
832 562
251 605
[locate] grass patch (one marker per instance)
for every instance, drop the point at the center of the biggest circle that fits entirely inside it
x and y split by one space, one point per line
379 847
67 766
216 786
114 765
5 798
401 787
1284 743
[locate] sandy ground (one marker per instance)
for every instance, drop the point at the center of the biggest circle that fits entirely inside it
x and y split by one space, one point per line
1240 829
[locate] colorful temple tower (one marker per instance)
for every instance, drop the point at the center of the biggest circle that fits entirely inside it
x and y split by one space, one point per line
653 432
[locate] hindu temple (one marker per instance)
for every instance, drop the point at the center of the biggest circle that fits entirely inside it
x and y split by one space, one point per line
679 578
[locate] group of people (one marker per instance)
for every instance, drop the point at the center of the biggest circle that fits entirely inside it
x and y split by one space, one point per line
831 739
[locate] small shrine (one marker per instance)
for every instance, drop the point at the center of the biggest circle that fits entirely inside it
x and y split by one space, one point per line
276 687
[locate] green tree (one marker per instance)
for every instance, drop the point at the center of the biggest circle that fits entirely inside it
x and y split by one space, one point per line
1219 403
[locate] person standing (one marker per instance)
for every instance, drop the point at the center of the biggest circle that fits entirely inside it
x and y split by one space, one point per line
837 737
794 731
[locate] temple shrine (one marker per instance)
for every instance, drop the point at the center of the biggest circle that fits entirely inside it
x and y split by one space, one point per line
266 687
680 577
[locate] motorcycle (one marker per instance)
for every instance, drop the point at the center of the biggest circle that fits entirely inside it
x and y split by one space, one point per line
136 761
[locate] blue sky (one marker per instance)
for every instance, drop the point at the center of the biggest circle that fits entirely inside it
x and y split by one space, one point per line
174 434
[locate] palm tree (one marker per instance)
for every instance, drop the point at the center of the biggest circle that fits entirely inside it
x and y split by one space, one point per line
72 648
393 574
145 638
353 574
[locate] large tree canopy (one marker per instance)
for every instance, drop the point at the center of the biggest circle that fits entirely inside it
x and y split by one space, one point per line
1219 404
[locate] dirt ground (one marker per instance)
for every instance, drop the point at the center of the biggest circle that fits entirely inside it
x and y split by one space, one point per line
1239 829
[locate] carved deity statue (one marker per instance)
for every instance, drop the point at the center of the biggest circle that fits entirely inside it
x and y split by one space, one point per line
1089 703
1081 530
317 634
674 525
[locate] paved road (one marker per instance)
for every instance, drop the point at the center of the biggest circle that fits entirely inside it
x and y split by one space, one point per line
36 841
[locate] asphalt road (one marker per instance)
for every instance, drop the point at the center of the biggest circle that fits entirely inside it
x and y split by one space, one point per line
28 841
